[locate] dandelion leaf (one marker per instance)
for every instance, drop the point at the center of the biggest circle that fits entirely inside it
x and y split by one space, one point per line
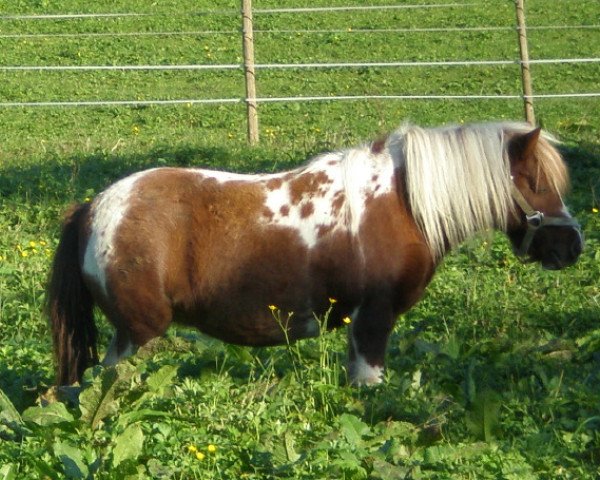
483 416
50 415
128 445
72 460
160 381
352 428
8 412
98 401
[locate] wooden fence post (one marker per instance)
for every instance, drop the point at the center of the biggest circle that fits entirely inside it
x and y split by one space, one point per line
525 73
248 42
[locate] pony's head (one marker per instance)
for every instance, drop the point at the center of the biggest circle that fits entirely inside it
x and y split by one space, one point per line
540 228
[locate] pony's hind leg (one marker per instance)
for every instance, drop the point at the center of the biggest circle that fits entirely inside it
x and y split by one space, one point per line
367 338
140 311
120 347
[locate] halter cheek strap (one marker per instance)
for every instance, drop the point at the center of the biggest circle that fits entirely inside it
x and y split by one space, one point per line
536 220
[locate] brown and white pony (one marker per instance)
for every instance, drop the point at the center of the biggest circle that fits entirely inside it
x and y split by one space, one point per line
366 226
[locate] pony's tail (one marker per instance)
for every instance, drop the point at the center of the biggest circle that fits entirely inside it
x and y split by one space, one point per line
69 304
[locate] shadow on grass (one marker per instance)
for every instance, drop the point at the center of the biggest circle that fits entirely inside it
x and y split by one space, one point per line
75 178
438 380
66 179
584 166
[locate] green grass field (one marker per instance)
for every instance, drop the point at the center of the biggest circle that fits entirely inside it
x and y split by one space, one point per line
495 374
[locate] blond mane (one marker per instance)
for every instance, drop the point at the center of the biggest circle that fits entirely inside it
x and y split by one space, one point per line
458 178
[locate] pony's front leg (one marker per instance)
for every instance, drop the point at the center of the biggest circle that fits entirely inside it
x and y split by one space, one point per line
367 341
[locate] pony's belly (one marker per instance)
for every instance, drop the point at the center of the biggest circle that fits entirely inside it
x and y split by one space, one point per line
259 329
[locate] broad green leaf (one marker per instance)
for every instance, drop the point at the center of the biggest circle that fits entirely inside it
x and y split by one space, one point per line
483 416
290 451
138 415
128 445
157 470
386 471
451 347
162 379
240 354
72 459
44 470
8 472
8 411
97 402
353 428
349 462
438 454
49 415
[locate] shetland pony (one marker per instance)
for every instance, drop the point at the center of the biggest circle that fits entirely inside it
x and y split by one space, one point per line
366 226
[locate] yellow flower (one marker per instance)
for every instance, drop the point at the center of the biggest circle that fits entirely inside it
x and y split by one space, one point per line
272 308
200 456
332 300
347 320
42 243
211 448
135 130
192 449
595 210
32 244
24 253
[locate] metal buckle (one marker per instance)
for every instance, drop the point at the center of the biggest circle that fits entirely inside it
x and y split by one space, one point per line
535 220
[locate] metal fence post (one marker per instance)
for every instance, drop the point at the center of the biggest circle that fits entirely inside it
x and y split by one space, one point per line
248 46
525 72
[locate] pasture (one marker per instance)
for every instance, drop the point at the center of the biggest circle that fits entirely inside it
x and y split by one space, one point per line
494 374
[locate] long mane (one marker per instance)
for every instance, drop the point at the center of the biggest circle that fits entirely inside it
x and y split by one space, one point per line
458 180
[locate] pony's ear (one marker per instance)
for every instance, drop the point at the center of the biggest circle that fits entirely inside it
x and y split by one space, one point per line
523 146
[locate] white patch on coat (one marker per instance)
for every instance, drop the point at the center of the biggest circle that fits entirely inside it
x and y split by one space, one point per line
359 168
289 214
354 174
107 212
223 177
362 373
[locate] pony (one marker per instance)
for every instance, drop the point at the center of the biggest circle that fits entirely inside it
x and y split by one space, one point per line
366 226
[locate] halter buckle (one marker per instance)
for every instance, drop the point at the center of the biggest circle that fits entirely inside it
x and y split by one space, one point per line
535 220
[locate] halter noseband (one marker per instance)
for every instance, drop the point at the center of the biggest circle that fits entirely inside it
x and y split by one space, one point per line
536 220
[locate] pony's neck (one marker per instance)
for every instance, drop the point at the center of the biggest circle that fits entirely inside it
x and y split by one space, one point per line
457 181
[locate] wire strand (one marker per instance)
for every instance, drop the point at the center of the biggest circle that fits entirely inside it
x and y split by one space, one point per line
287 66
315 98
348 30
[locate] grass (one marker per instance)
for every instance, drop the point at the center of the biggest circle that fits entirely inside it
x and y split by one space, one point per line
493 375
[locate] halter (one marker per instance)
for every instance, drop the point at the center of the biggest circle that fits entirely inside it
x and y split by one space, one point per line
536 220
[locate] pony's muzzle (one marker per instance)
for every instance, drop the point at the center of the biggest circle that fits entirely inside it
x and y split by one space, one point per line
559 257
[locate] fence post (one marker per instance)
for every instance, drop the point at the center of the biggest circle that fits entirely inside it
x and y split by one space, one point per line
525 73
248 43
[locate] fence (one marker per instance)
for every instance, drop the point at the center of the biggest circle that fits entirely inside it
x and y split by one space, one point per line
249 66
